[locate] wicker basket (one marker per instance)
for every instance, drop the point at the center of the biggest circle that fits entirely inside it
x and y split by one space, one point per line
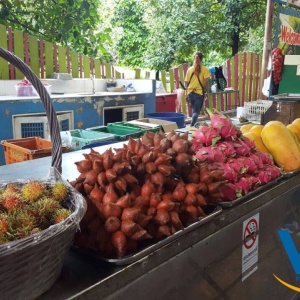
30 266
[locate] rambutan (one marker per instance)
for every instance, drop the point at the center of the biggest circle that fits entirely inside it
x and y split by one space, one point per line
11 201
3 224
12 187
43 210
60 215
32 191
21 224
59 191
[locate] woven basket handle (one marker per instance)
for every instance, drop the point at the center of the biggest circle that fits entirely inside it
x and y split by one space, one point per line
50 112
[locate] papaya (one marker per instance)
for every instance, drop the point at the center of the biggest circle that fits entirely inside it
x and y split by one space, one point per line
257 129
282 145
294 128
245 128
296 122
257 141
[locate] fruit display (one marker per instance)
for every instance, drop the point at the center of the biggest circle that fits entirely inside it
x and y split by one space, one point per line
158 184
29 208
281 141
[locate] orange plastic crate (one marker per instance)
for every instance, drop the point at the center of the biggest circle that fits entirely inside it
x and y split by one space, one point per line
19 150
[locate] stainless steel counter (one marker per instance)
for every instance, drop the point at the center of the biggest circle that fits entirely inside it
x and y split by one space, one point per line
206 263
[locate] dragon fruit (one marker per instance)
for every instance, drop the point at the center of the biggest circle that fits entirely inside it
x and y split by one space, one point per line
249 143
230 191
250 163
228 173
238 165
222 124
265 158
255 182
227 148
245 185
259 163
241 148
206 135
264 176
211 154
273 170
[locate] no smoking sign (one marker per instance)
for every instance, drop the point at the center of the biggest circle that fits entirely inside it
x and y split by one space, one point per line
250 246
250 233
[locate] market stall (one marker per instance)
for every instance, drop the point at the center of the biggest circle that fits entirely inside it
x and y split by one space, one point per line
207 262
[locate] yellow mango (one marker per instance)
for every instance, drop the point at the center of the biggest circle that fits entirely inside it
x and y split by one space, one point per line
257 141
257 129
294 128
245 128
282 145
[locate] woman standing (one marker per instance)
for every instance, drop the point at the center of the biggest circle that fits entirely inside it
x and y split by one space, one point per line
196 80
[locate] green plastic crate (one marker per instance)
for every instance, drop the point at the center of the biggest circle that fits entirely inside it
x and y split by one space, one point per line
82 139
120 131
143 129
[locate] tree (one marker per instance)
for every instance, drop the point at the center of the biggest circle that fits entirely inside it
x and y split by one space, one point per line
132 43
72 23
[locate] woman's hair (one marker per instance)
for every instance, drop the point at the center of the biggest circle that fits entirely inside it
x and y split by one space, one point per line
197 62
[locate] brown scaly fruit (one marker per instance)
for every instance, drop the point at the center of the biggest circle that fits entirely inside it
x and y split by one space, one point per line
59 191
60 215
33 191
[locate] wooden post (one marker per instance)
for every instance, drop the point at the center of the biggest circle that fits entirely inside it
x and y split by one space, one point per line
267 43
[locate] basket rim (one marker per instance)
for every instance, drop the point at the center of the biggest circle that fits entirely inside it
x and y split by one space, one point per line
46 100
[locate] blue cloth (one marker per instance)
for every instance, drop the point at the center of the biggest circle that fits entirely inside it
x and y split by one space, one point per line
212 71
196 102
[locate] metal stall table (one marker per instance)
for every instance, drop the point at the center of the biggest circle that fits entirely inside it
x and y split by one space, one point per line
214 261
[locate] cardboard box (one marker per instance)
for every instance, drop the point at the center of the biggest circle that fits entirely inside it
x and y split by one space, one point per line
166 126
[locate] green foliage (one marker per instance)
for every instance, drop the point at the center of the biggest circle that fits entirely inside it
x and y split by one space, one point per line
132 42
71 23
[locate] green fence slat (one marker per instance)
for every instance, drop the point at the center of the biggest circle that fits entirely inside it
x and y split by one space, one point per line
172 80
107 70
118 74
137 73
86 66
4 69
48 52
62 59
163 76
34 55
19 50
97 68
74 64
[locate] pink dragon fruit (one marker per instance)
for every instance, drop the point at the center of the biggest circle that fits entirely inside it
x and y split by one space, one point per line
230 191
227 148
250 163
267 159
206 135
222 124
241 148
228 173
248 142
264 176
211 154
245 185
273 170
255 182
238 165
256 159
